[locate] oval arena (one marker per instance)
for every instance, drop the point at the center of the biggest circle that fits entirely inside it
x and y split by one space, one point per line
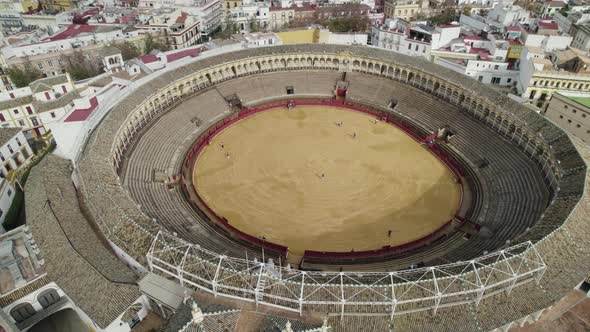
340 176
481 194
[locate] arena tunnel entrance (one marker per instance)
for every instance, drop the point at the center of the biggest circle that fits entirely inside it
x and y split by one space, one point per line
66 320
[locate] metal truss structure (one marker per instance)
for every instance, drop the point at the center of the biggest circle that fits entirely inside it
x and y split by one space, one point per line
345 293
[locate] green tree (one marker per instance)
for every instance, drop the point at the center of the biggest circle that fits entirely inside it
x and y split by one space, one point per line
228 28
467 10
355 23
22 77
254 25
80 67
445 17
128 50
421 17
159 43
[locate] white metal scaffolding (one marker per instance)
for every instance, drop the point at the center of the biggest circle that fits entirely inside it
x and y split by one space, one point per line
346 293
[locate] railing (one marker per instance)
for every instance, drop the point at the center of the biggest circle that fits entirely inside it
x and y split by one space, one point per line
345 293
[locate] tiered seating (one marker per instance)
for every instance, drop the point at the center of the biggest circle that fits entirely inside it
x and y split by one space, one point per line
161 149
265 87
509 171
520 194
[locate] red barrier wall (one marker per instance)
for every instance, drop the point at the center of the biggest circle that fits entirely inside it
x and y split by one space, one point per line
206 137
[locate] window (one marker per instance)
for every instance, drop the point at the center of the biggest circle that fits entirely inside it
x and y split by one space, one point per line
21 123
52 115
2 117
15 111
561 116
480 78
50 63
29 110
18 142
409 46
496 67
64 89
22 312
11 95
40 65
2 157
10 149
9 192
48 297
34 121
496 80
574 111
509 80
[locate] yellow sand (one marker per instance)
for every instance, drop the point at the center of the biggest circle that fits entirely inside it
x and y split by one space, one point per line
271 185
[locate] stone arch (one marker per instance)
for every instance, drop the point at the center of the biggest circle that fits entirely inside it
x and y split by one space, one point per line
436 86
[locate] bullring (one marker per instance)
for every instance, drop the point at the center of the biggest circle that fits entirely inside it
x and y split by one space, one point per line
524 174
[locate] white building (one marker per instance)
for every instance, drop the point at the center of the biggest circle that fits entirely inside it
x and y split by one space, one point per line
208 13
504 15
251 16
547 42
15 151
258 39
7 193
22 107
418 40
582 36
15 154
179 28
72 36
539 78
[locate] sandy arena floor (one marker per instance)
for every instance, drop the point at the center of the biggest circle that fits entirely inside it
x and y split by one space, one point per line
271 185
